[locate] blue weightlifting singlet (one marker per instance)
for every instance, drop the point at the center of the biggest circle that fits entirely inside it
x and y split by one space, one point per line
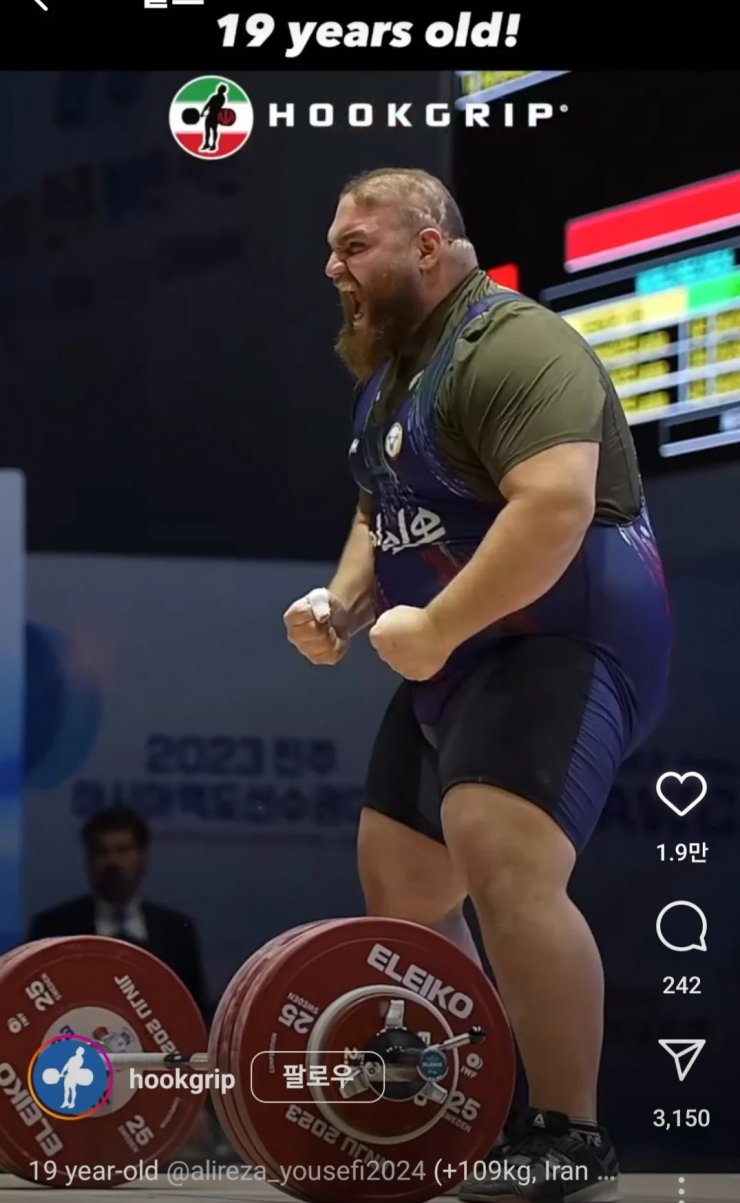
427 523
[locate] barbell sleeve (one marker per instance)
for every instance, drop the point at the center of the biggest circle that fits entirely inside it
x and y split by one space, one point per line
154 1061
159 1060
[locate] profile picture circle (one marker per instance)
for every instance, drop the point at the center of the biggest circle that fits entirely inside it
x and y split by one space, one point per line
70 1077
211 117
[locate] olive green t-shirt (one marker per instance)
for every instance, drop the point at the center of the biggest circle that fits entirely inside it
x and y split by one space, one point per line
521 380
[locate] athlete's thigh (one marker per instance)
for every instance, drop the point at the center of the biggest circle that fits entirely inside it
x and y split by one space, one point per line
404 866
402 778
544 718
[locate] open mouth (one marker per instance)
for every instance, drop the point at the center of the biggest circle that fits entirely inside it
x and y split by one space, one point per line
353 304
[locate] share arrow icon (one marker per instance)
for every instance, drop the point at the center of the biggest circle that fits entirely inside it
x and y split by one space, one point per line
684 1053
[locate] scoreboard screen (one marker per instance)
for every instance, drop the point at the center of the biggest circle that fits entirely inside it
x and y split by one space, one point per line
667 327
473 86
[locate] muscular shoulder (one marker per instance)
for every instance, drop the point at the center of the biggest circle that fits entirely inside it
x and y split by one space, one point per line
518 337
521 381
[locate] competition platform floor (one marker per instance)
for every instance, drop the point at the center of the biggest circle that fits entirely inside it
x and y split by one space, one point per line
647 1188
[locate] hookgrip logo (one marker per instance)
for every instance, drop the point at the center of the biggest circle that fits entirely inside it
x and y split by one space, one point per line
70 1077
211 117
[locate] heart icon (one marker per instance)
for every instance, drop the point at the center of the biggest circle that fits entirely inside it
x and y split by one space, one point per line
680 778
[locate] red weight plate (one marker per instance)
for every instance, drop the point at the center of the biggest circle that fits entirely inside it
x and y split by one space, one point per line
293 1011
215 1052
243 1097
6 1162
221 1028
219 1041
218 1052
117 996
240 1133
227 117
241 1101
388 1149
219 1056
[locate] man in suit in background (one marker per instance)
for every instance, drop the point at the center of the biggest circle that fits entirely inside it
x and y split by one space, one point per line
117 844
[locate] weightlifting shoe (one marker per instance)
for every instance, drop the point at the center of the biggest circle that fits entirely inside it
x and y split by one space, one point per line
545 1158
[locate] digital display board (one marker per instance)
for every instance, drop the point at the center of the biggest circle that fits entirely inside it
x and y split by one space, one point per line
484 86
667 328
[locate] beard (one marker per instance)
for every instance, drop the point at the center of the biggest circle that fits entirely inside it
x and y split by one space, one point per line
392 309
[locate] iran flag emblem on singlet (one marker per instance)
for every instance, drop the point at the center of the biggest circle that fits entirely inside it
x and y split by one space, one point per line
393 440
211 117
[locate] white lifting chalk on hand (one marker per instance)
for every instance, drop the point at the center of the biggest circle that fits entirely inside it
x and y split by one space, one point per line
320 603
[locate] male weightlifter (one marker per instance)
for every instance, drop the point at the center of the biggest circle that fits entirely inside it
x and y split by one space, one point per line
502 557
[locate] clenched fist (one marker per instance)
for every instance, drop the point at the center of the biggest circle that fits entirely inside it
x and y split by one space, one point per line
313 625
408 641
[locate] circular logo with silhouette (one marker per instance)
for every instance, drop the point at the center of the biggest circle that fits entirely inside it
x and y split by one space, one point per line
211 117
70 1077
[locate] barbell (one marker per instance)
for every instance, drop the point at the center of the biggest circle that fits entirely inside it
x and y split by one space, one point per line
364 1050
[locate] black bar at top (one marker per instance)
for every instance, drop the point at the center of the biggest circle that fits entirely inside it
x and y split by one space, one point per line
123 34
